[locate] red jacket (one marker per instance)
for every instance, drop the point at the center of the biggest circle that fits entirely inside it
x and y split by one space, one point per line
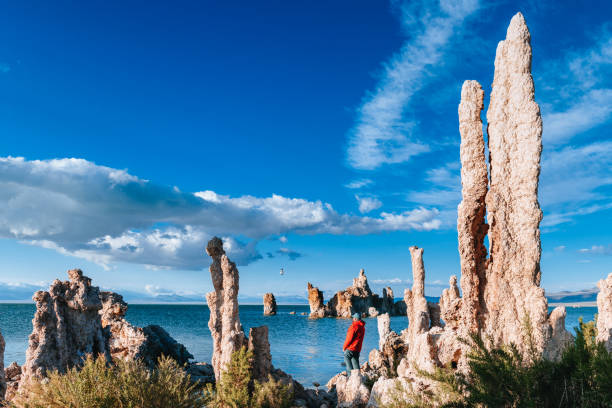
354 336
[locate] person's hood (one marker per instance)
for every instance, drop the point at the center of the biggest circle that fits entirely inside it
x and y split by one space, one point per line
359 323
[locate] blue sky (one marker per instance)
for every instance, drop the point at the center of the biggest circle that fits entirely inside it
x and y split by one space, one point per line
319 137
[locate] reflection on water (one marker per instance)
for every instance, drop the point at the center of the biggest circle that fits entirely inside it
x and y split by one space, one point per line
310 350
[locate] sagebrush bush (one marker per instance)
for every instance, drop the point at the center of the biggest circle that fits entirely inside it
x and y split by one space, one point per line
126 384
236 389
502 377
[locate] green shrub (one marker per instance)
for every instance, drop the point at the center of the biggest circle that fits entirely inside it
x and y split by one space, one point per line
236 389
502 377
126 384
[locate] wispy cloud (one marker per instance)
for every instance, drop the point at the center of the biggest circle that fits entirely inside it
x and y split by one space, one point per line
597 250
292 255
359 183
367 204
383 133
107 215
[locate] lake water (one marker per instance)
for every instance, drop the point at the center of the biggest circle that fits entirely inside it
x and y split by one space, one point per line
310 350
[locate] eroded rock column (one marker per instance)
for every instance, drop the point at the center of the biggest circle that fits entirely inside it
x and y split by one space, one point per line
416 304
471 226
224 323
604 312
512 294
315 301
269 302
66 327
260 346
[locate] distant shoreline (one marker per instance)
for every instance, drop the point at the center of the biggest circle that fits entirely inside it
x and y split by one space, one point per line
574 304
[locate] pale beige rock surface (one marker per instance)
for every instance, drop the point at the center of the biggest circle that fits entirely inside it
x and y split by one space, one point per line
604 312
260 347
66 327
130 342
315 301
224 323
557 338
2 374
384 328
512 294
451 304
269 302
416 304
471 226
352 391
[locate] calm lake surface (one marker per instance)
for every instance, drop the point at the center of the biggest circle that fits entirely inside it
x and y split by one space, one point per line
310 350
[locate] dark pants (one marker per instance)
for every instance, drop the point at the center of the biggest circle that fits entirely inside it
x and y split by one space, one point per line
351 358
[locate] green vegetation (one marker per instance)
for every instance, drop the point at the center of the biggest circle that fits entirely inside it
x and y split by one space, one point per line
129 384
501 377
237 389
122 385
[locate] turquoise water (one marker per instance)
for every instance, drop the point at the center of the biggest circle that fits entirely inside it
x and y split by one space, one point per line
310 350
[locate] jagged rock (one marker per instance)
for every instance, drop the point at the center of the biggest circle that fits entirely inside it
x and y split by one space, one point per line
12 375
2 374
604 312
512 292
260 346
450 305
352 391
558 338
224 323
129 342
315 301
357 298
399 308
416 304
269 304
384 328
66 327
384 389
471 225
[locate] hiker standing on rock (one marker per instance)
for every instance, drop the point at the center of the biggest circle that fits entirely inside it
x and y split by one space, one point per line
352 344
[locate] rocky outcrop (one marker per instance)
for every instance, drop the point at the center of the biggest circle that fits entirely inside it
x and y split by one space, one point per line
558 338
450 305
471 226
224 323
269 304
128 342
512 293
260 347
2 374
357 298
315 301
604 312
66 327
12 375
418 310
352 391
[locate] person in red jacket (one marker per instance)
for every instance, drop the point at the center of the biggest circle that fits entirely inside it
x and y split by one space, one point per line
352 344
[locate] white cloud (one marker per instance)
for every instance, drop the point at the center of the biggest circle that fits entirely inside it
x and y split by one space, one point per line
367 204
283 239
560 248
106 215
597 250
383 135
360 183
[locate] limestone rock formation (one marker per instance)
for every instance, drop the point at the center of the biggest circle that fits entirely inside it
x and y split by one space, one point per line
450 305
269 302
66 327
357 298
384 328
2 374
315 301
604 312
260 346
558 338
12 375
512 292
416 303
129 342
471 226
224 323
352 391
